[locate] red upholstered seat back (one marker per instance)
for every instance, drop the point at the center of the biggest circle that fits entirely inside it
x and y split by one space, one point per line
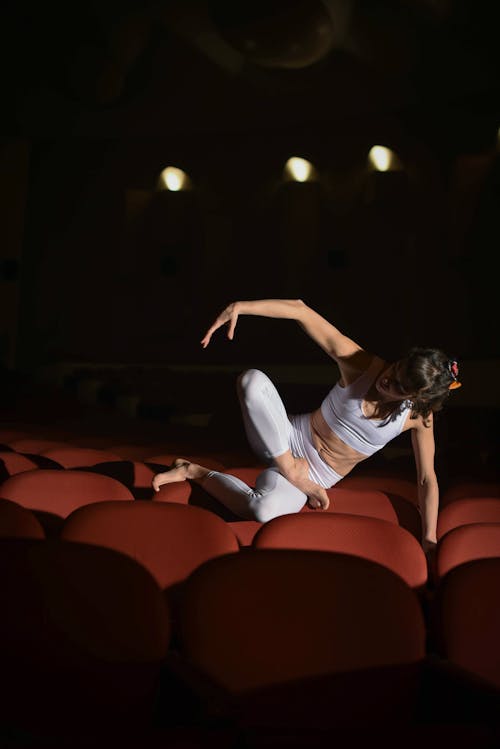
369 538
60 492
12 463
465 544
170 540
389 484
34 445
83 633
18 522
78 457
269 616
466 512
468 616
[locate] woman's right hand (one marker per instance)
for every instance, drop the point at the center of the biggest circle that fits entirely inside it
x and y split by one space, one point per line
227 316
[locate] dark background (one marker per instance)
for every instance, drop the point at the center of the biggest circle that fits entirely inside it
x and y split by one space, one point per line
98 266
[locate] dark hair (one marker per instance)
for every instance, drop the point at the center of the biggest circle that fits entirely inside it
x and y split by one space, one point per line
426 372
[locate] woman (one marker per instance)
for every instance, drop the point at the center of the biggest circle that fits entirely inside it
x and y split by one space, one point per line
372 402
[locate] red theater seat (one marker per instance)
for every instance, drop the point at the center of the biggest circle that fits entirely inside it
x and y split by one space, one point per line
170 540
357 500
369 538
13 462
466 512
304 635
79 457
137 476
18 522
34 446
389 484
244 530
60 492
465 544
83 634
468 618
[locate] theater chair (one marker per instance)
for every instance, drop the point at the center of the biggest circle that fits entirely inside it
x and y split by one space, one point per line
12 463
169 540
466 512
78 457
53 494
388 484
463 685
468 607
137 476
34 446
301 641
368 538
18 522
83 633
465 544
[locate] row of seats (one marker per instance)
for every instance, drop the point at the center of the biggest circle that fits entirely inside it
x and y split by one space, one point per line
99 509
41 452
86 635
260 611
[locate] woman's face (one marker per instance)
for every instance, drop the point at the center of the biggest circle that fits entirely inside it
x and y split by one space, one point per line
389 383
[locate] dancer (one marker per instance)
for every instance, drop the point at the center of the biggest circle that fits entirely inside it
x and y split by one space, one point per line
372 403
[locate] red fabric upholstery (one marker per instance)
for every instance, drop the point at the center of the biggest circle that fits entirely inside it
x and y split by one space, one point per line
79 457
369 503
467 511
18 522
268 616
133 452
170 540
466 543
368 538
12 463
83 633
34 446
61 492
470 489
137 476
468 606
244 530
389 484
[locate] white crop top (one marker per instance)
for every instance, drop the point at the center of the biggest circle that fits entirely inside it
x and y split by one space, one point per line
342 411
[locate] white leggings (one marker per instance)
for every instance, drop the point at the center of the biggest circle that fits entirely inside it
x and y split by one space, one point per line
271 432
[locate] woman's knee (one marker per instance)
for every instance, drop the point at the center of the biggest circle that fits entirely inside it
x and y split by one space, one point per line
275 496
250 381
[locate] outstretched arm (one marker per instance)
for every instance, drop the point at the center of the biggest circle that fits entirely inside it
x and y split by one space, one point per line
331 340
422 438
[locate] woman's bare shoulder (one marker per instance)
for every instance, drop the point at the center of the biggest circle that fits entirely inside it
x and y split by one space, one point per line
356 365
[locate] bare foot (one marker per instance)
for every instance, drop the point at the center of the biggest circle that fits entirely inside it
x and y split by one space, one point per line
181 470
299 476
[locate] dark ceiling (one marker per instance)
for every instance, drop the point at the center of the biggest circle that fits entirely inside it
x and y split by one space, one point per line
119 69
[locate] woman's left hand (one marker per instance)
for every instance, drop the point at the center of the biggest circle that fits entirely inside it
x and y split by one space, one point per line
228 315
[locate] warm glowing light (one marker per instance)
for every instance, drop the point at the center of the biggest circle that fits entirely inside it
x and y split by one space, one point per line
299 169
381 158
174 179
